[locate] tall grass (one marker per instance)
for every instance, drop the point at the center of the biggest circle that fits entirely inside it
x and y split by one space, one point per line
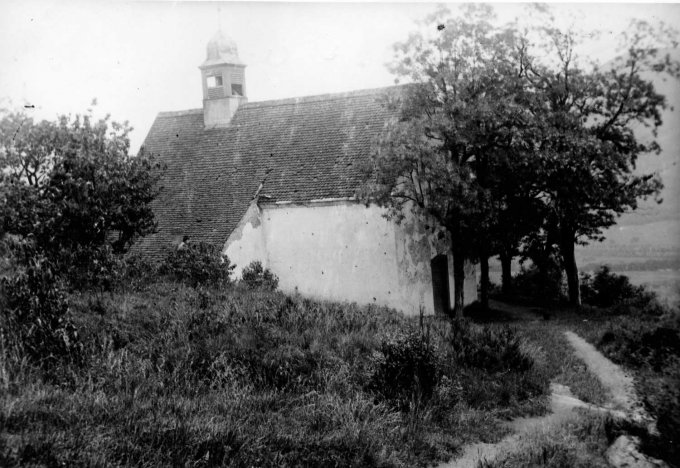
648 344
176 375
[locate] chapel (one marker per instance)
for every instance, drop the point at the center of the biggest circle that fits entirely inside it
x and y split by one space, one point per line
275 181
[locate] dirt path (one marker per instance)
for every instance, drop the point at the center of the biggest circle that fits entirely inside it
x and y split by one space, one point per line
613 378
622 396
622 403
562 404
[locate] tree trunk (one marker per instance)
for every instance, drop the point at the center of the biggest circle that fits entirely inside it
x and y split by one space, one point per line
485 282
506 278
569 258
458 283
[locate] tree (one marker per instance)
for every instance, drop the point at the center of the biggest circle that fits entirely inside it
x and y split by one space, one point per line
460 115
586 146
72 188
27 147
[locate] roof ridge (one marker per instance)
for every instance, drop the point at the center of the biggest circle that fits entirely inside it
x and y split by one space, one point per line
320 97
294 100
180 113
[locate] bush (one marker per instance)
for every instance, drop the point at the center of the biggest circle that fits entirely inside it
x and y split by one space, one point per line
636 343
198 264
542 286
256 277
35 322
662 397
406 370
491 349
89 267
651 346
137 267
607 289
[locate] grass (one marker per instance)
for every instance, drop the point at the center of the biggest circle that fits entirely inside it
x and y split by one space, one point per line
648 346
580 442
175 375
563 365
548 345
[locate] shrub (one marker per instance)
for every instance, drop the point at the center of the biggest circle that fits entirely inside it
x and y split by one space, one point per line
544 286
35 322
91 267
137 267
136 271
198 264
638 343
406 370
651 345
662 397
607 289
491 349
256 277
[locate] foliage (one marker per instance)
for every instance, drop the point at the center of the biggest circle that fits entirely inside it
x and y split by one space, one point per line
563 367
607 289
96 267
505 138
254 378
71 187
494 350
576 443
542 285
198 263
639 343
457 126
35 319
648 344
138 267
585 117
254 276
406 370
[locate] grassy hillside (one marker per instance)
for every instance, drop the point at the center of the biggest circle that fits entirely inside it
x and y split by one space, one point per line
173 375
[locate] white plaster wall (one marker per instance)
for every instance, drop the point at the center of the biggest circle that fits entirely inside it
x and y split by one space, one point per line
246 242
341 251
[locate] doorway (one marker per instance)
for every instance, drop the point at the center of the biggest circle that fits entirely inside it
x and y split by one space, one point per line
440 284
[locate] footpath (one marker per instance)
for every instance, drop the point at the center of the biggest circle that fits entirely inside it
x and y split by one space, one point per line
622 403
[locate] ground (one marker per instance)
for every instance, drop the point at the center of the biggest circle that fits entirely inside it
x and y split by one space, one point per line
175 374
553 439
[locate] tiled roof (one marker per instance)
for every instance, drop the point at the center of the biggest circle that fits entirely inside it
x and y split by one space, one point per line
301 149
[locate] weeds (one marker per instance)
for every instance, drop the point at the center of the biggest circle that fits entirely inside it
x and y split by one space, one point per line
179 375
197 263
578 442
254 276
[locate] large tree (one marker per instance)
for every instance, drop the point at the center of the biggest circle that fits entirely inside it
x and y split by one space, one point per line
503 139
586 146
437 160
71 188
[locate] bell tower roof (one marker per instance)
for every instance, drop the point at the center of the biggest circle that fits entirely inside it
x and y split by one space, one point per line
221 49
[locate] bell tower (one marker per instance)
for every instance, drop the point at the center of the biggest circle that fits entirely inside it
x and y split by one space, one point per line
224 84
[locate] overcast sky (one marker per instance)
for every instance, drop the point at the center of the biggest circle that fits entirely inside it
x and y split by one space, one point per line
139 58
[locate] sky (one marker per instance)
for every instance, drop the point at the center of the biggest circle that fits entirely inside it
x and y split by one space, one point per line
140 58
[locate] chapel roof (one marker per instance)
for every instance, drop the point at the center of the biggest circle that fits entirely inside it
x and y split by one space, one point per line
299 149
